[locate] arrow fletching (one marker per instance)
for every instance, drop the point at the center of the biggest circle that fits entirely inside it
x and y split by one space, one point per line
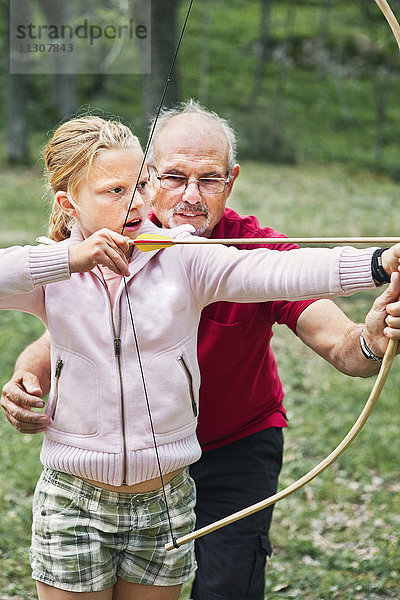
146 242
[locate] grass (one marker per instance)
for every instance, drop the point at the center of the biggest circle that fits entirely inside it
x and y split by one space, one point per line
338 537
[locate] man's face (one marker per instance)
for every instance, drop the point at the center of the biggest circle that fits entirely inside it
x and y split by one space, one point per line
191 146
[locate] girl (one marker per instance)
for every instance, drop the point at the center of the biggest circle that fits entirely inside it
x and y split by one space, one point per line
100 517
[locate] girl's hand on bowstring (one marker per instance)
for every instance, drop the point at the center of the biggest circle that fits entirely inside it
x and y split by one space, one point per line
104 247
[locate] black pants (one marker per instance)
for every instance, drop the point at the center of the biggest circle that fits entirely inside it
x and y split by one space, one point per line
231 561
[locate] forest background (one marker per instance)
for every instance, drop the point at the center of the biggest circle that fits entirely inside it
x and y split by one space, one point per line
299 79
312 88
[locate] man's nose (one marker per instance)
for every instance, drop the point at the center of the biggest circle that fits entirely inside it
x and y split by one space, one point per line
192 193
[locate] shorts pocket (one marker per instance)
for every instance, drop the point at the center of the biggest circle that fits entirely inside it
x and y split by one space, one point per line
51 500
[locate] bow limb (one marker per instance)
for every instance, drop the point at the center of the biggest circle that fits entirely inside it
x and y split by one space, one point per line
317 470
390 18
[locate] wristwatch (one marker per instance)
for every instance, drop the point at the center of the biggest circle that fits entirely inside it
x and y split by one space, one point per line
367 351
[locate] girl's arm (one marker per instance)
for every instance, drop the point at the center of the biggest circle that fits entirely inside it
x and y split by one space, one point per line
23 273
24 269
235 275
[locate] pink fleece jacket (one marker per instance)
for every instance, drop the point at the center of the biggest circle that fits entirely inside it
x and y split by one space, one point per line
100 427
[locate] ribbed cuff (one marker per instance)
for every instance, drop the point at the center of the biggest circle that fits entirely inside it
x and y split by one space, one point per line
48 264
355 269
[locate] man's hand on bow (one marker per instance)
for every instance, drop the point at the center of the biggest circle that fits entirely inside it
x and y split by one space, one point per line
383 320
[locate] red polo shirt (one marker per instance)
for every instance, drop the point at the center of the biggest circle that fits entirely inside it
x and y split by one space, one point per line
241 392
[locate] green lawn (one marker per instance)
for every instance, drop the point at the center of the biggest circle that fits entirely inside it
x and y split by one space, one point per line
338 537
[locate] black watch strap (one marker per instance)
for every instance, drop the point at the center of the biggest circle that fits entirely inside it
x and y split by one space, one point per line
378 272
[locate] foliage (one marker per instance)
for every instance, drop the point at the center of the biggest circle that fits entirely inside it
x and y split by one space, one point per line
262 138
322 77
328 90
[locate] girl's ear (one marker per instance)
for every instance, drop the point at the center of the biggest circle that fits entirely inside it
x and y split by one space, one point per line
65 204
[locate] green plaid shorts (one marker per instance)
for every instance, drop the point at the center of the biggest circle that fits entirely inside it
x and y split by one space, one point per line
84 537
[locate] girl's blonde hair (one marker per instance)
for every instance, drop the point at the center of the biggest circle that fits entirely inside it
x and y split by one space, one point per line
69 155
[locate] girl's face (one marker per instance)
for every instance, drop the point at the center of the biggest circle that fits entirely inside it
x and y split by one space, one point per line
102 197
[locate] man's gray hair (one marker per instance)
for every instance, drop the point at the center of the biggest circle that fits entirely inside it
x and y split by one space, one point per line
193 107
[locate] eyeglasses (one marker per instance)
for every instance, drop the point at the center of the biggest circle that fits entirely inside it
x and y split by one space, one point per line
179 183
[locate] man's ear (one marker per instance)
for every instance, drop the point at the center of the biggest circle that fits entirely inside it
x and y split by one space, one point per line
65 204
232 176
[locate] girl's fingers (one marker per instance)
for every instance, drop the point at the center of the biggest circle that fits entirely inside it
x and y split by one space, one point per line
122 242
104 247
116 261
115 251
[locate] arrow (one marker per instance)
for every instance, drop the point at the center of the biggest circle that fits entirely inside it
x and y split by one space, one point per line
147 242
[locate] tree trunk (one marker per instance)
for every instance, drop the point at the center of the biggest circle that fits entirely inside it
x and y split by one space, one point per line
17 94
382 94
262 50
283 73
17 134
204 62
63 93
325 18
164 25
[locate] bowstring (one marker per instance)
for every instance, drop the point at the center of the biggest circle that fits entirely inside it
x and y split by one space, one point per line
168 80
146 395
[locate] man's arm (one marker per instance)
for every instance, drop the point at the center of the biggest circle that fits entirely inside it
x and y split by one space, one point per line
325 328
322 326
29 384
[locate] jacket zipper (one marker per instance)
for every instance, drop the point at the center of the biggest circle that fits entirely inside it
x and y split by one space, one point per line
59 367
117 352
189 378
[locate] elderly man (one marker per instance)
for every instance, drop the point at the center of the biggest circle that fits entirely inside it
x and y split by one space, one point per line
193 168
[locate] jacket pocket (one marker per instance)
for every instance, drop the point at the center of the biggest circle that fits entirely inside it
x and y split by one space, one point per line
188 375
173 389
73 403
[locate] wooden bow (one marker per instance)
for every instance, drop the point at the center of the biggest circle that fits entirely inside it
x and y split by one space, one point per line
354 431
390 18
